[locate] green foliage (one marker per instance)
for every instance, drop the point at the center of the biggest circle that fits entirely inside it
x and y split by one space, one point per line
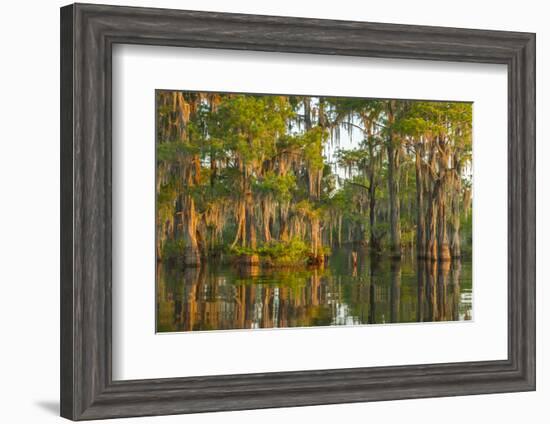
280 253
278 161
466 241
281 187
242 251
352 157
250 125
313 147
381 229
173 248
408 236
166 198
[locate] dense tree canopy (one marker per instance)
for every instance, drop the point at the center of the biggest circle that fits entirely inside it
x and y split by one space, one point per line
284 179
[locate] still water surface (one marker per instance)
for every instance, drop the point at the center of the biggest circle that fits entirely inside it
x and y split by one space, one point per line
376 291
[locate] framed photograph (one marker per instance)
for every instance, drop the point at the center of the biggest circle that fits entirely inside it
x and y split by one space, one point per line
263 212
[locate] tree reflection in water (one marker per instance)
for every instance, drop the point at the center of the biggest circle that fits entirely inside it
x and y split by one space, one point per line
374 291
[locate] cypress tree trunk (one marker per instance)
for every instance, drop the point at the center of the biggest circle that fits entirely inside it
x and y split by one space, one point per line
393 187
250 222
247 224
455 212
316 245
160 239
432 189
266 221
420 209
339 230
431 224
373 242
283 224
191 256
444 253
455 224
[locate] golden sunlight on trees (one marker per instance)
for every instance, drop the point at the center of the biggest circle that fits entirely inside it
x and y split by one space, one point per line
284 179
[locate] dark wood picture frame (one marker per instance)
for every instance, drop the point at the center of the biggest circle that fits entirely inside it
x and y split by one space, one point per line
88 33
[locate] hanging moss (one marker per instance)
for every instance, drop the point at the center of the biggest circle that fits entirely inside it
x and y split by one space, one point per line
257 176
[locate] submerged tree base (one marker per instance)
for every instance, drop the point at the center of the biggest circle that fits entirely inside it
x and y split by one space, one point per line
247 260
191 258
316 260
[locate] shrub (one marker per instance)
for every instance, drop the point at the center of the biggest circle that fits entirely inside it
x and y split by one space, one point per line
281 252
241 251
276 252
172 249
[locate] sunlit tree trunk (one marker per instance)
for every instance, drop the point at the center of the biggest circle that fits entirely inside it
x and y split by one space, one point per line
266 218
432 193
283 224
191 255
191 174
240 234
456 188
159 240
444 252
245 217
250 221
420 207
431 229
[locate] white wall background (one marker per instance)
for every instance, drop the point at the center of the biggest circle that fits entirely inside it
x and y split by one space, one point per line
29 213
